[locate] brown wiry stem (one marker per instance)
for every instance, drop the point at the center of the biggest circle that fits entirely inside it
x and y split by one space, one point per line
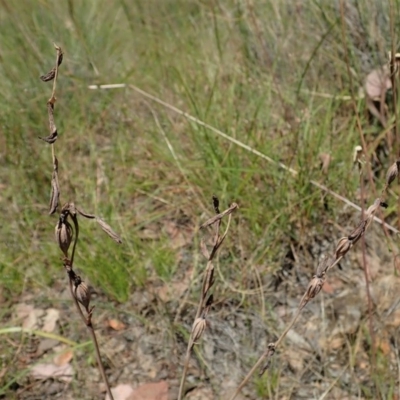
52 99
203 305
366 276
393 69
69 210
87 320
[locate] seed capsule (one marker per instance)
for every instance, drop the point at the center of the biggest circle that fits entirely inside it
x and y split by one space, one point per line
198 328
342 247
64 234
392 173
82 293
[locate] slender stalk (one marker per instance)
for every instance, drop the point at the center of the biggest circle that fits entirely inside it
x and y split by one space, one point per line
393 70
208 280
366 277
88 322
80 292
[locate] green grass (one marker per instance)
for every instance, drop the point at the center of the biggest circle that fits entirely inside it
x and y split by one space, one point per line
272 77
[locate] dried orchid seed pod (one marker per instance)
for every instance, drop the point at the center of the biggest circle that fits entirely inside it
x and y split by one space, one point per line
392 173
342 247
82 293
355 236
315 286
199 326
64 234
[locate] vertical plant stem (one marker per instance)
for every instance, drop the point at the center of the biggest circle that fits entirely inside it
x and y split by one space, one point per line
208 281
69 210
393 71
366 276
88 322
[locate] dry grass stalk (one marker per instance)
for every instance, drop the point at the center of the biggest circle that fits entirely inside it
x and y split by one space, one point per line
327 262
67 233
206 300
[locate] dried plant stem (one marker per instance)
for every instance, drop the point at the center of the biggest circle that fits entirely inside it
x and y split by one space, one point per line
59 54
88 322
366 277
393 65
64 231
205 300
393 72
52 99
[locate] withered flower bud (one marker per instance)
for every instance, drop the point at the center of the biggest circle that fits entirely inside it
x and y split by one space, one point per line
392 172
373 208
209 280
82 293
355 236
268 354
315 286
54 194
342 247
199 326
371 211
64 234
216 204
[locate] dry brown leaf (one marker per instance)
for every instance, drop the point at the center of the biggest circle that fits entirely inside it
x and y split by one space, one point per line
377 83
121 392
325 162
394 319
44 371
383 344
150 391
116 324
50 320
200 393
28 315
63 358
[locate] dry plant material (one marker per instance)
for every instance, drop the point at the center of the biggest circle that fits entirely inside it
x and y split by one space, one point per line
63 234
392 173
107 229
206 300
82 293
327 262
55 189
67 233
377 83
52 73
